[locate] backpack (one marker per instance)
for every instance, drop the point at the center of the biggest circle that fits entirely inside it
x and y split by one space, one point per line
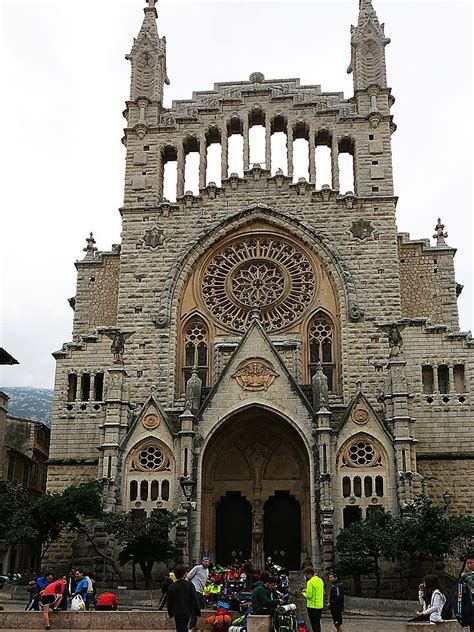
460 605
285 621
221 621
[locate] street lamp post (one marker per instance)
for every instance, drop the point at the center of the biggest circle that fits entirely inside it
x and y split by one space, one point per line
188 485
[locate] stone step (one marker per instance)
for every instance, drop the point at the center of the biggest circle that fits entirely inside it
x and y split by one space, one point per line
136 620
445 626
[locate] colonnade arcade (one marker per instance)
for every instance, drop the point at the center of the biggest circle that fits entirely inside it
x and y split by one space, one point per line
295 148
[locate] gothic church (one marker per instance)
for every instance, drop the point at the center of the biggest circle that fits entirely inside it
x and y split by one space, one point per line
270 358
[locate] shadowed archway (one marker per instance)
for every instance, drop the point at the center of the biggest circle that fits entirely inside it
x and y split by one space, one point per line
253 457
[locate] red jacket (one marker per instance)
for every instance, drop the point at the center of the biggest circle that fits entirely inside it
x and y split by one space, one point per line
107 599
54 588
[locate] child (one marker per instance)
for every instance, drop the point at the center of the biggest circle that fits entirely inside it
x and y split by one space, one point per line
336 601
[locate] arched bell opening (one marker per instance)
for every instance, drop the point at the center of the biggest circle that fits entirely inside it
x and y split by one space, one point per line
255 474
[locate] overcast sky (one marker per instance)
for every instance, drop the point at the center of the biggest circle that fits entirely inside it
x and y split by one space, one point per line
65 80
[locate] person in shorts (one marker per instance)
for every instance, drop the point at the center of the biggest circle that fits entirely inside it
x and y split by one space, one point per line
336 601
51 598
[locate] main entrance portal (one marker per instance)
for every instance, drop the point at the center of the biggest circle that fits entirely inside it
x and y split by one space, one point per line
255 491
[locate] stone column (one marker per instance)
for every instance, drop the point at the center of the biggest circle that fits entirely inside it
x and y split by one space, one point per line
268 143
92 388
397 413
326 506
180 168
451 378
202 162
224 152
257 534
246 143
335 162
289 147
312 156
114 427
160 174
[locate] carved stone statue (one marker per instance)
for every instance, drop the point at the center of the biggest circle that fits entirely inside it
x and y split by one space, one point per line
394 339
193 392
320 389
118 347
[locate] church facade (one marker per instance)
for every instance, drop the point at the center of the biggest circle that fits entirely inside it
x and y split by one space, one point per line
277 349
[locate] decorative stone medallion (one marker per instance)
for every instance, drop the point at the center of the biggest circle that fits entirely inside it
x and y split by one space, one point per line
362 229
360 416
151 421
255 374
153 237
265 273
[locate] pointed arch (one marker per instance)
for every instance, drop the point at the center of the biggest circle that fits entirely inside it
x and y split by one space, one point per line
195 349
311 238
322 346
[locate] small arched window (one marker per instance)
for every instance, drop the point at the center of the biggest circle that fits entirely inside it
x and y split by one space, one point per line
321 347
196 350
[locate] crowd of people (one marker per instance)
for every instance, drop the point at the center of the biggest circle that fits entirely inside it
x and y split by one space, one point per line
239 587
76 591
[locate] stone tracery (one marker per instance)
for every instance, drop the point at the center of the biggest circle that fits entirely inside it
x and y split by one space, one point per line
264 272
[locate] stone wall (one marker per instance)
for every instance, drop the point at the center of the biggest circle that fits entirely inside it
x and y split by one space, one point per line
428 285
453 474
96 293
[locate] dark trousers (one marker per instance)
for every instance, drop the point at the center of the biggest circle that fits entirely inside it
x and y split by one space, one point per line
314 615
106 608
181 624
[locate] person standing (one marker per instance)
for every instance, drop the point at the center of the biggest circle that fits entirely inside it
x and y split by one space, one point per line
336 601
51 598
182 601
167 581
314 594
199 576
468 577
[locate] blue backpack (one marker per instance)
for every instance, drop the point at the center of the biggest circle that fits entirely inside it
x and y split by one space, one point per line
460 604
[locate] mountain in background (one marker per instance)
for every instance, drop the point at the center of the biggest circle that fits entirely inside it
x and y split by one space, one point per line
31 403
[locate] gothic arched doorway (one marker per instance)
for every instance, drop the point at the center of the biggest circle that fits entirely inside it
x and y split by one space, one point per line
256 456
282 530
233 528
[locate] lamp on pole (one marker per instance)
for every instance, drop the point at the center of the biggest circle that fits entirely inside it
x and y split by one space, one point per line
188 485
447 500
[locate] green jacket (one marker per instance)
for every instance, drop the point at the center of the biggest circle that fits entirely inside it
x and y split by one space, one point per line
260 600
314 593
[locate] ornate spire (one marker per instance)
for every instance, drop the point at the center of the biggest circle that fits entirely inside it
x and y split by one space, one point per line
90 249
440 235
148 57
368 43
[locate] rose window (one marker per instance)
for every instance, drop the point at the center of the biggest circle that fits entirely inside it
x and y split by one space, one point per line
262 273
150 458
362 453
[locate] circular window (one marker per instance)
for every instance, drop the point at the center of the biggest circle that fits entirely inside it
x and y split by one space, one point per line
361 453
265 273
150 458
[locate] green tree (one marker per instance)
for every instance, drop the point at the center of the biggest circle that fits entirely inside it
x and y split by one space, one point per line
364 544
145 540
461 529
42 521
424 533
